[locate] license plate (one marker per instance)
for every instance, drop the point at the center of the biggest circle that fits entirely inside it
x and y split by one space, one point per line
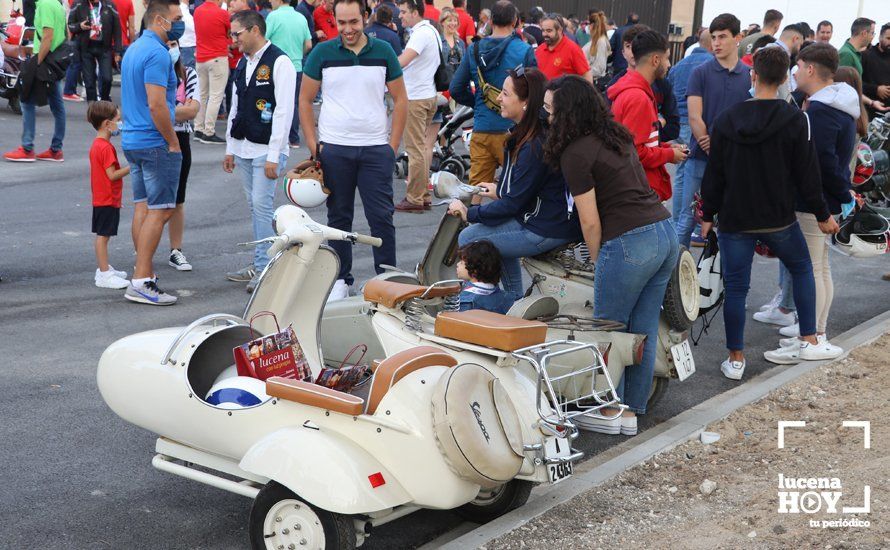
683 361
558 447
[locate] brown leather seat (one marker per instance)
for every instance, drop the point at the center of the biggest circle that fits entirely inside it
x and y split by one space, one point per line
395 367
391 294
491 330
314 395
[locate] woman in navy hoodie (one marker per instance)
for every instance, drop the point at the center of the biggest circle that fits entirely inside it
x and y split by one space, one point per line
531 213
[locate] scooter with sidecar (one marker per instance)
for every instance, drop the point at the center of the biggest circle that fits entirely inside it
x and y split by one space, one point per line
467 418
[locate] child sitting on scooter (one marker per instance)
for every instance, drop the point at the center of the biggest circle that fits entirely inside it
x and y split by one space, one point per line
106 180
480 266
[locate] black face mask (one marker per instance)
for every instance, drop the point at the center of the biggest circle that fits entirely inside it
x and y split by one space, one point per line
545 118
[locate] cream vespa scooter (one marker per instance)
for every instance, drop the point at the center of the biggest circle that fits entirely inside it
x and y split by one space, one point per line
468 421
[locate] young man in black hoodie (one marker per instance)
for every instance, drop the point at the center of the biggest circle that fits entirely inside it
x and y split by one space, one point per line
762 159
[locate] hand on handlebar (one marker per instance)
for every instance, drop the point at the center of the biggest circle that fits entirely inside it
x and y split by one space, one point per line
489 190
458 208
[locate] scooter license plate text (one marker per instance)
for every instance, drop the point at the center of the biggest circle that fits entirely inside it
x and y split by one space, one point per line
683 361
557 447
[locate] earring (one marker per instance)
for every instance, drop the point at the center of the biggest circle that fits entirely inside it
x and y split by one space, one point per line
524 107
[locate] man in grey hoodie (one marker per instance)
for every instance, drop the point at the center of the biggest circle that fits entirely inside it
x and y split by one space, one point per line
832 110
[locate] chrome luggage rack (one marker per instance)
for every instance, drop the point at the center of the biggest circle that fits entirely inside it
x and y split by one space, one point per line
561 410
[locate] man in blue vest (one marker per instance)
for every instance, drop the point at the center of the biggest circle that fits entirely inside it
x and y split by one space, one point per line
259 124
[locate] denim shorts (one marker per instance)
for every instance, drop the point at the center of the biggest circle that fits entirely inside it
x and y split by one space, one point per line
154 174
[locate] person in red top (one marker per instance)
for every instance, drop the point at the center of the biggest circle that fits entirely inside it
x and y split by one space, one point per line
325 25
558 55
106 180
128 23
212 56
430 11
633 104
466 27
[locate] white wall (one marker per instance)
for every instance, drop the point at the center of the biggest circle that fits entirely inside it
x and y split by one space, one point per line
841 13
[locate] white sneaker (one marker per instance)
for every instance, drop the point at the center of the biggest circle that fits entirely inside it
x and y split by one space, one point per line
629 425
121 274
775 316
784 356
339 292
591 423
772 304
820 351
733 369
110 279
822 338
791 331
789 342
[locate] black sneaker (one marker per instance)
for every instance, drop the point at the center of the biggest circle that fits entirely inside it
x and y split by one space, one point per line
198 135
179 261
211 139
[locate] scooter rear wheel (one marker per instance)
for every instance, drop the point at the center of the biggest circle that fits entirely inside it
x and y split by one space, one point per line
281 518
493 503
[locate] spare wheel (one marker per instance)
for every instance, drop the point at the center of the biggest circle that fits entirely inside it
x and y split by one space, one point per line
681 298
476 426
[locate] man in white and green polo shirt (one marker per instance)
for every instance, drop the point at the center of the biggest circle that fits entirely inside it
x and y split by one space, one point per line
352 142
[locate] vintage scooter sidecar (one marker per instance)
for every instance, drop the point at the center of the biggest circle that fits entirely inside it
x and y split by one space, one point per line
323 466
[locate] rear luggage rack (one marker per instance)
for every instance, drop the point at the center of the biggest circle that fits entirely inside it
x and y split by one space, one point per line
561 410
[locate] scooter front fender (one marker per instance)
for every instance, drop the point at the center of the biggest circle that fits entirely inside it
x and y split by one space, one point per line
325 469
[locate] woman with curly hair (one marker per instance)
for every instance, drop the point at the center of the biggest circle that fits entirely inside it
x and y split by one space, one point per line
627 230
530 214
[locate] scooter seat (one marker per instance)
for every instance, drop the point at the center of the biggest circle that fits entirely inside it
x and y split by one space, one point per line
492 330
314 395
391 294
395 367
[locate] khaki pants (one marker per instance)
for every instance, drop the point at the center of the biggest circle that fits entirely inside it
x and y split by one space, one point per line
817 244
212 78
420 116
486 155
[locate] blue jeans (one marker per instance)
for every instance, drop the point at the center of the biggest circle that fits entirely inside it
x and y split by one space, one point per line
785 283
294 137
187 55
57 106
737 253
630 278
693 172
368 169
514 241
677 196
260 193
154 174
72 74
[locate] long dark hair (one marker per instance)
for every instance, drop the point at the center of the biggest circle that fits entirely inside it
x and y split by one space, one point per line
580 110
529 85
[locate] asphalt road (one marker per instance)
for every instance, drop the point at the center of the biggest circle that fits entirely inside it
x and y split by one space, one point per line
73 474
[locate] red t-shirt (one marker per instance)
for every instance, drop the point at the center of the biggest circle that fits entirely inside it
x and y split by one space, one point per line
105 191
211 32
566 58
466 27
125 10
431 12
324 21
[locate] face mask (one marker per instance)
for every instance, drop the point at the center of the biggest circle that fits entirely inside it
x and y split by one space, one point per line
174 54
177 29
751 91
117 130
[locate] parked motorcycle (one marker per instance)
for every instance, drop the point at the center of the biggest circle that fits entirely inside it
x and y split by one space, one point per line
876 189
463 415
13 33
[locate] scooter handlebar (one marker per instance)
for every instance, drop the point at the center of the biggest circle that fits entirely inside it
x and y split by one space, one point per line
367 239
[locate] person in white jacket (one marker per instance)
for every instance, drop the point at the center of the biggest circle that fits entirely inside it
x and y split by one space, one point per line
597 49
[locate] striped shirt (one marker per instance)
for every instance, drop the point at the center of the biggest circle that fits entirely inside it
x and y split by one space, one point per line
187 90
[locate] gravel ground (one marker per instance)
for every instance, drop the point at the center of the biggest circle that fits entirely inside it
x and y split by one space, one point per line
725 495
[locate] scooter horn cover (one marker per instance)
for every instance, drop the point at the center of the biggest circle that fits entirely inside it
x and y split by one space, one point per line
476 426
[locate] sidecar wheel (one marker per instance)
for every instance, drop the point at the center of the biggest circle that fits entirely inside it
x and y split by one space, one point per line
681 298
493 503
659 387
280 519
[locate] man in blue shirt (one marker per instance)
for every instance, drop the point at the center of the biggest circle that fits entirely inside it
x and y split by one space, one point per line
713 87
679 79
498 53
381 29
619 63
148 100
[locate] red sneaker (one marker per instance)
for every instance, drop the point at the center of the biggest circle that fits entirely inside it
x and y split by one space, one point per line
72 97
52 156
19 155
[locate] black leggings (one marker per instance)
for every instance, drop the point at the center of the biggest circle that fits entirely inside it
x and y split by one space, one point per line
186 147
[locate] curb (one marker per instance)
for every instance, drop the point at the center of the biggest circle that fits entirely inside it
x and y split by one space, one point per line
667 435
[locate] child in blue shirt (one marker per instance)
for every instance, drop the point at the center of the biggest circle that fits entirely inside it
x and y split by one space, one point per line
480 266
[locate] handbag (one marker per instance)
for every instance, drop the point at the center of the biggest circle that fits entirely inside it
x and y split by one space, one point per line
278 354
710 276
489 93
444 73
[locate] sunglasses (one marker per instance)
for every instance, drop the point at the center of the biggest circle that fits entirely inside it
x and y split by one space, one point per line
519 70
236 34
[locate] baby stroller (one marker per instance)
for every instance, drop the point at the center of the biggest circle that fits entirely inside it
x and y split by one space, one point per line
445 157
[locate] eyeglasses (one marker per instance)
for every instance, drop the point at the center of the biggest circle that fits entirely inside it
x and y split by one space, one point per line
519 70
237 34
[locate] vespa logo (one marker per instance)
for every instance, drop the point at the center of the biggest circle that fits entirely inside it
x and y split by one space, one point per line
812 495
477 412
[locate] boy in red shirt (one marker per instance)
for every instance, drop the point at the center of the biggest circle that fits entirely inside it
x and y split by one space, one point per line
106 180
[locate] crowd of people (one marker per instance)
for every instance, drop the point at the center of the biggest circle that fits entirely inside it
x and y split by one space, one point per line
574 126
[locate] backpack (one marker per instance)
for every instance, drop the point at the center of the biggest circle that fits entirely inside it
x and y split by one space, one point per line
444 73
710 276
